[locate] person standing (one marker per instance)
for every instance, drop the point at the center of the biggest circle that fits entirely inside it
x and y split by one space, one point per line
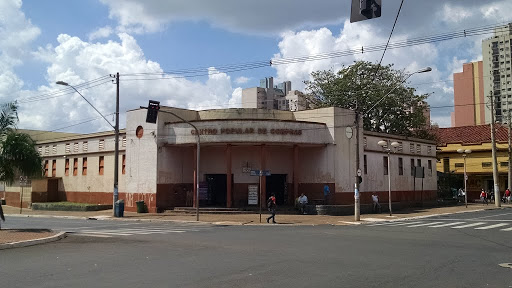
1 215
303 201
326 194
271 204
507 195
483 197
376 205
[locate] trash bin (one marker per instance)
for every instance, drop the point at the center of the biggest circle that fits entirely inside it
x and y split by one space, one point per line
140 207
119 208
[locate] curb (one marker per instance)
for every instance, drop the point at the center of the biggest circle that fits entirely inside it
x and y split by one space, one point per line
19 244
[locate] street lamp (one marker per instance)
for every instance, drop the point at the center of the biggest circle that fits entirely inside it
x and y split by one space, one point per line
386 145
357 203
464 155
116 130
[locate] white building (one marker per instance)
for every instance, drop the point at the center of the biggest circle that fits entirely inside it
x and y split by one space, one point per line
302 150
279 97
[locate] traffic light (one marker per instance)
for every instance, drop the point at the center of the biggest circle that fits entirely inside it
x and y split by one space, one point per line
153 108
365 9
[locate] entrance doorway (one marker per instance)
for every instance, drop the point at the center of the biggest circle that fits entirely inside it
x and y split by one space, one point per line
276 183
217 190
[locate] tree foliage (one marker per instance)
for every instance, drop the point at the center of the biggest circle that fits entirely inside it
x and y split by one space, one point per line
360 86
18 154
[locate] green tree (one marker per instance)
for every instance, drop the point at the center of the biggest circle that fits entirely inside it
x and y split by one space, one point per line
363 84
18 155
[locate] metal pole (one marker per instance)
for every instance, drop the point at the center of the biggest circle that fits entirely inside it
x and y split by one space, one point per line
116 149
21 198
509 154
261 200
497 201
357 200
465 182
389 181
197 174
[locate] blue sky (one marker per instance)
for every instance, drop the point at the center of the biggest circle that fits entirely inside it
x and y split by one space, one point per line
77 41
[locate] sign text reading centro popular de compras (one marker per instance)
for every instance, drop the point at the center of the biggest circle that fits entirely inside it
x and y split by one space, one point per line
263 131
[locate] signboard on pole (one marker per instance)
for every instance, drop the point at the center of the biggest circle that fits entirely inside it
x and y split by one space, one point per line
253 195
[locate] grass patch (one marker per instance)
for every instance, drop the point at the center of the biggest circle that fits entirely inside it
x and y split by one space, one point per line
69 206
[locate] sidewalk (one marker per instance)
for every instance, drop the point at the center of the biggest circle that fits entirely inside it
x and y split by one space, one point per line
13 235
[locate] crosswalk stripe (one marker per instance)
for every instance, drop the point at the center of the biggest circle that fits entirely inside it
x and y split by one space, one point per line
106 233
425 224
506 229
469 225
405 223
492 226
447 224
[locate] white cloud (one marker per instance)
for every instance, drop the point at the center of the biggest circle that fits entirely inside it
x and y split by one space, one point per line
76 61
102 32
236 98
454 13
241 80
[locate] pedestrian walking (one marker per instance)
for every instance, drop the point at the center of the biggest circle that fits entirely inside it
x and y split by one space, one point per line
483 197
271 204
303 201
507 195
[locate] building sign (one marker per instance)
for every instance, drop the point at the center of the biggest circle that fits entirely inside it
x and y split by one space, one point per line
248 130
253 195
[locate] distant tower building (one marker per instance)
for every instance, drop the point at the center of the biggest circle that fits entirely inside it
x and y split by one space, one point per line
469 100
268 96
496 53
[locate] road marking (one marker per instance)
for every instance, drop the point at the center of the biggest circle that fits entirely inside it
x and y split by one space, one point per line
492 226
405 223
469 225
506 229
506 265
106 233
492 216
447 224
424 224
92 235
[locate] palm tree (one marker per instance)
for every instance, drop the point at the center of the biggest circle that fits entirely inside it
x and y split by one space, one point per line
18 155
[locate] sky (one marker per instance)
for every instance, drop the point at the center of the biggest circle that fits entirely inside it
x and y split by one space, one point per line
85 42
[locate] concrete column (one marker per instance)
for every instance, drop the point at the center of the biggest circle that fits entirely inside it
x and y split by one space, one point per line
229 200
295 172
263 155
195 178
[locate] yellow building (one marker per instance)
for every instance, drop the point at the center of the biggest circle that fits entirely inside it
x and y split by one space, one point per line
479 161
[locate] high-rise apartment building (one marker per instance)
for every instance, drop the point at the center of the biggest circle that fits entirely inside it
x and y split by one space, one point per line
469 100
278 97
496 53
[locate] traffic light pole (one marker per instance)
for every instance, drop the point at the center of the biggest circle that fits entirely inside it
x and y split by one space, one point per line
116 151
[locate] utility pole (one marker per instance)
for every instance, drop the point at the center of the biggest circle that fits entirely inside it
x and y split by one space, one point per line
509 153
116 151
357 204
497 201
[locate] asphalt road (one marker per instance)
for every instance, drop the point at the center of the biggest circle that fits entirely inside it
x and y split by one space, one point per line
413 253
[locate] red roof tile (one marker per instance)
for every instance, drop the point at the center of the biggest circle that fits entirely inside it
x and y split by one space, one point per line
470 135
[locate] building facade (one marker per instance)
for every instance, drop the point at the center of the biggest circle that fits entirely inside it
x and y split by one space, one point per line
302 151
479 161
496 53
277 97
469 100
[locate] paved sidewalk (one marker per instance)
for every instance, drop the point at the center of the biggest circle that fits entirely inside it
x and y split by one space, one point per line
13 235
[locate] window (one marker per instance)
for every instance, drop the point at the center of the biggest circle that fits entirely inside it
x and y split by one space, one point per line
429 150
504 164
419 163
75 166
412 167
418 148
101 145
400 166
486 165
385 158
54 149
446 165
68 148
85 146
40 150
84 166
46 150
365 165
124 141
45 168
429 166
54 168
66 168
365 141
124 164
101 165
411 147
459 165
75 147
400 147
